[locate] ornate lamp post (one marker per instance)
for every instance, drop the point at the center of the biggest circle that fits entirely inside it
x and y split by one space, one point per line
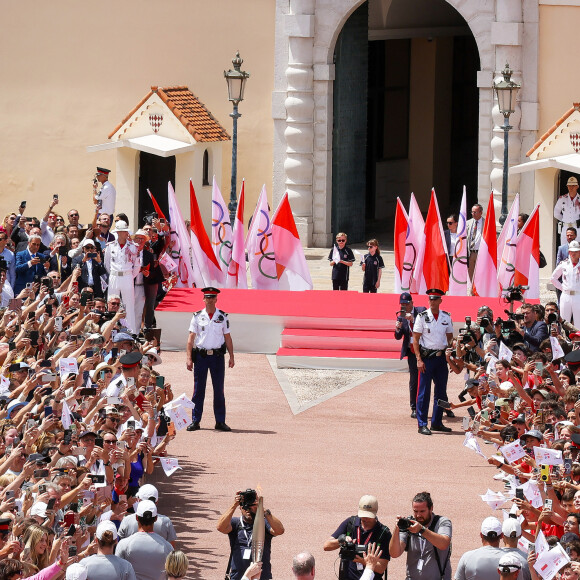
236 80
506 91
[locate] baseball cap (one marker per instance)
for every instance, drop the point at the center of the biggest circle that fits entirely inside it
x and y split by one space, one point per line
106 526
533 433
122 336
509 560
148 491
511 528
146 509
39 509
491 525
405 298
368 506
88 242
76 572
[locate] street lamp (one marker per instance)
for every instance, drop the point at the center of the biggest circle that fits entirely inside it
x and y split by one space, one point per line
236 80
507 92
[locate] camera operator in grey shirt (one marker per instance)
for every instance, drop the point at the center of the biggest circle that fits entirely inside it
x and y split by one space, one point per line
426 539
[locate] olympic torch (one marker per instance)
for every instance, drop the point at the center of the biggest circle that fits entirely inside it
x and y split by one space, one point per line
258 533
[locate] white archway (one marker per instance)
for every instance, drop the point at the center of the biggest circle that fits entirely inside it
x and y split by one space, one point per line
306 34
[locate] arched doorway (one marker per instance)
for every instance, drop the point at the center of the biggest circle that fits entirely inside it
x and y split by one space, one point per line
406 113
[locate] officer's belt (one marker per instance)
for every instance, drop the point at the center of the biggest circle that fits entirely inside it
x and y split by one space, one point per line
430 352
212 352
571 292
121 273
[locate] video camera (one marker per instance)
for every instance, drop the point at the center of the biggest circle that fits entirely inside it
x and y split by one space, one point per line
515 293
350 550
248 498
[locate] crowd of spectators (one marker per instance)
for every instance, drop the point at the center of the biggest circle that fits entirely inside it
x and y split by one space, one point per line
82 420
524 397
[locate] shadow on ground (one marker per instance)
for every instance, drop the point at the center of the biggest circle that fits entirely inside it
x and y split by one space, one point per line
187 507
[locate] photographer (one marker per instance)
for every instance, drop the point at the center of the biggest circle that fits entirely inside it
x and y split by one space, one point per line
427 540
533 331
403 330
354 535
240 532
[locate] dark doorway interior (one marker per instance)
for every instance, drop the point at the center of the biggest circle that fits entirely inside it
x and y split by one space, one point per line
154 174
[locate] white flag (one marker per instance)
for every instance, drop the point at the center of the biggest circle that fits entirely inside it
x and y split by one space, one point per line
65 418
458 257
557 351
549 563
504 352
170 465
545 456
472 443
513 451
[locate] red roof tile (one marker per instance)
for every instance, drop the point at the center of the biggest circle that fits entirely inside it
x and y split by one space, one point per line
575 107
190 112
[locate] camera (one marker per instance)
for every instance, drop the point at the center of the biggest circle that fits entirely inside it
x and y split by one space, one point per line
248 498
485 321
515 293
149 217
350 550
552 317
404 524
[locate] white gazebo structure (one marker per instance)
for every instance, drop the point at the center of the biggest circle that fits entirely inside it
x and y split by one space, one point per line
169 136
553 157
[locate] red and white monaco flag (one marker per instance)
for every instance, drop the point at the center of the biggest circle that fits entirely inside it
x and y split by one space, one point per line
203 257
435 270
414 247
401 228
236 276
485 275
291 266
528 256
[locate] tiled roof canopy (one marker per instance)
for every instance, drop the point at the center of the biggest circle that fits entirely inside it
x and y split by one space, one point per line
575 107
190 112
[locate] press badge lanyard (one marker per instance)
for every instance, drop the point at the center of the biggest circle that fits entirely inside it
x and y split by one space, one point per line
421 561
247 551
359 566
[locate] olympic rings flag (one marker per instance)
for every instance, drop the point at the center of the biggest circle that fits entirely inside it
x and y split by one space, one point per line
485 275
528 256
260 247
179 248
221 229
236 276
458 259
401 229
414 248
506 267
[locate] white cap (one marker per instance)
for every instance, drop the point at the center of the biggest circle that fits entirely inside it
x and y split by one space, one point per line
148 491
88 242
146 506
121 226
489 525
76 572
510 560
511 528
574 246
39 509
106 526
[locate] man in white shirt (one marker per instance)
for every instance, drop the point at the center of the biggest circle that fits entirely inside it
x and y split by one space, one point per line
567 208
107 197
474 232
569 270
48 223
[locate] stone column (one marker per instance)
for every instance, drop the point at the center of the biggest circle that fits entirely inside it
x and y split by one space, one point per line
299 104
506 36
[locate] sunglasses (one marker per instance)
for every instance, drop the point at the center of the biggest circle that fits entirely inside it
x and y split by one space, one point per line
341 240
450 223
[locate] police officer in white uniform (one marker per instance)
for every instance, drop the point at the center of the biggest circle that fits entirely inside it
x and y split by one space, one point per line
140 238
569 270
432 334
107 197
567 208
120 258
209 338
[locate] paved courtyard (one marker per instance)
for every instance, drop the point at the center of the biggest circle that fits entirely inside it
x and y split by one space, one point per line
313 464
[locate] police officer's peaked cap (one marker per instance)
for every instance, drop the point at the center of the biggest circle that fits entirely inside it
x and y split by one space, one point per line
210 291
103 171
131 359
573 356
435 292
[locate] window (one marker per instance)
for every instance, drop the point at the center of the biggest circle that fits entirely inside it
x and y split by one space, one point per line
205 168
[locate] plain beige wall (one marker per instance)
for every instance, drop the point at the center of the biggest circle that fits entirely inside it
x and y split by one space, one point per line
71 71
559 49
